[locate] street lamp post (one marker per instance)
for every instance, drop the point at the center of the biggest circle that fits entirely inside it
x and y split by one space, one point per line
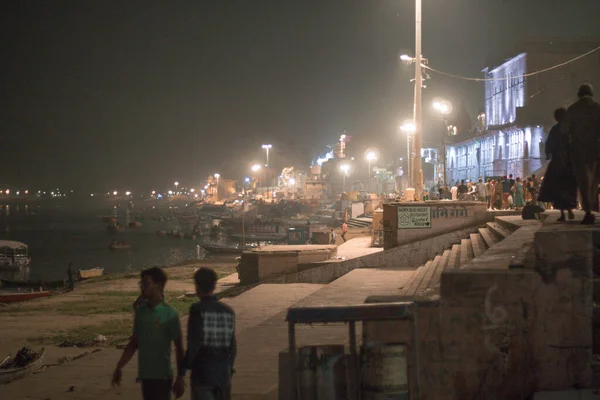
409 128
267 147
417 107
217 176
344 168
444 108
371 155
176 184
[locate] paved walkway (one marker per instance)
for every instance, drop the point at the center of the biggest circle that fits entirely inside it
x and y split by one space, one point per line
357 247
261 333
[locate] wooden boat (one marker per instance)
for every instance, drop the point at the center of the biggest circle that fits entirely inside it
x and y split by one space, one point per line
13 255
90 273
15 297
12 374
119 246
161 233
260 237
135 224
46 285
222 249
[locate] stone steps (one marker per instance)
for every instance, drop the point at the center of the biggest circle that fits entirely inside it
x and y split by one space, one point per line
426 278
477 244
498 230
466 251
454 259
488 237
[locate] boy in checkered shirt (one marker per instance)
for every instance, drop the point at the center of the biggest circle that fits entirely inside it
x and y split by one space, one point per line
211 341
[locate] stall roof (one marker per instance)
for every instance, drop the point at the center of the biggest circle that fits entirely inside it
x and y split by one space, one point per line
12 244
361 312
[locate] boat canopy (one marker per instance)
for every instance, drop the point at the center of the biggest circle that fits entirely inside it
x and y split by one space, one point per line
12 244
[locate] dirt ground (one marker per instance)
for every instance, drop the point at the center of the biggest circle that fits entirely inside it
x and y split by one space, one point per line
103 304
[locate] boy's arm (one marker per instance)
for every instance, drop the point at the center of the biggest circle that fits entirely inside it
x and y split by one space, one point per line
129 352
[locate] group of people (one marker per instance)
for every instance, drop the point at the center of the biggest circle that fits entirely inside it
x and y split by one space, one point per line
333 236
572 176
573 148
211 345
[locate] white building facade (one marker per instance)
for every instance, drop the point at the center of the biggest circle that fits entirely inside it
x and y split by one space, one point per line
504 147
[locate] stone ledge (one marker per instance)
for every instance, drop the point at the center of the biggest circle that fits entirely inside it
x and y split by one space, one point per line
508 253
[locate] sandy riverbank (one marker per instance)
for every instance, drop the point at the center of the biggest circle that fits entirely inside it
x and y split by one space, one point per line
99 306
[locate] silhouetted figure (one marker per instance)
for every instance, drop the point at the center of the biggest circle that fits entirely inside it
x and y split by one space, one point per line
70 277
559 186
582 124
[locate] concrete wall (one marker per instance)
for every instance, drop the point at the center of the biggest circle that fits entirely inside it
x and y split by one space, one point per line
446 216
406 256
262 265
505 333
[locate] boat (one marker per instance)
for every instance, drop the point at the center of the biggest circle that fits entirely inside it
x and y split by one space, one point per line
119 245
161 233
46 285
260 237
13 255
135 224
15 297
9 373
90 273
115 228
222 249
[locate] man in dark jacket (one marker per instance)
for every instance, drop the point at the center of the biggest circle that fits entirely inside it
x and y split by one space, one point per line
582 124
211 346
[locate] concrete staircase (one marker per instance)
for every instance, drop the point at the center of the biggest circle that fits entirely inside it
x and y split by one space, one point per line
360 222
427 277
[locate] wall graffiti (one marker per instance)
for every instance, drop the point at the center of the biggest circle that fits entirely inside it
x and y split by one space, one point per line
497 316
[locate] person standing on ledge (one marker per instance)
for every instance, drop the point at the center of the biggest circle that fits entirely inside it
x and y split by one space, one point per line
155 326
70 277
582 125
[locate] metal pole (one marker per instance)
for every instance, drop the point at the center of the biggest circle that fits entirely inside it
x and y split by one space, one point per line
418 175
293 362
408 160
354 355
444 150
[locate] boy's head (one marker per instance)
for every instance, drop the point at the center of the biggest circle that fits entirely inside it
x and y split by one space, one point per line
152 282
206 281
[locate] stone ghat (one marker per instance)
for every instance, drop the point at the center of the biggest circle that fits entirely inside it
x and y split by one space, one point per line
512 322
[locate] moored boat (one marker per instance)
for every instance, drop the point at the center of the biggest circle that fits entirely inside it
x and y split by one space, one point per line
260 237
15 297
135 224
46 285
116 245
90 273
24 363
13 254
224 249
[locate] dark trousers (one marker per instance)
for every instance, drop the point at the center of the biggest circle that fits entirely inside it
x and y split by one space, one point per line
157 389
344 236
204 392
588 177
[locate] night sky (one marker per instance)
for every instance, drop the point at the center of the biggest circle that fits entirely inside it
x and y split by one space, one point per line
99 94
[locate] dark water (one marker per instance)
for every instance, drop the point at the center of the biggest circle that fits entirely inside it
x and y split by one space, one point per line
58 235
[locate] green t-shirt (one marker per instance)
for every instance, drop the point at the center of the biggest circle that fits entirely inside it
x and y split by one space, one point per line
155 329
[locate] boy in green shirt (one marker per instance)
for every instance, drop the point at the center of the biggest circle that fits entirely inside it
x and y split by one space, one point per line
156 325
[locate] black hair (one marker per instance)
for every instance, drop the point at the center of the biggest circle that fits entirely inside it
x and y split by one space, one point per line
206 279
560 113
157 274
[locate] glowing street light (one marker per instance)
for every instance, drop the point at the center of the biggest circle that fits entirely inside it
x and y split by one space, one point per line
267 147
407 58
127 193
176 184
170 192
256 168
247 179
153 192
192 190
344 168
114 193
444 107
217 176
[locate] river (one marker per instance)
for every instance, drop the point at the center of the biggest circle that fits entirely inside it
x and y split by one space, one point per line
59 234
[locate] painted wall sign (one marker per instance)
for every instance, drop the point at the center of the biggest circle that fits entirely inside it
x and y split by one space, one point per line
414 217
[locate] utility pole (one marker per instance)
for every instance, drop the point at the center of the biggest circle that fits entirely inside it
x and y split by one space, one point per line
418 165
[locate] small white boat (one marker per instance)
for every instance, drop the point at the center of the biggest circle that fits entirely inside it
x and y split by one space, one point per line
13 255
11 374
90 273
